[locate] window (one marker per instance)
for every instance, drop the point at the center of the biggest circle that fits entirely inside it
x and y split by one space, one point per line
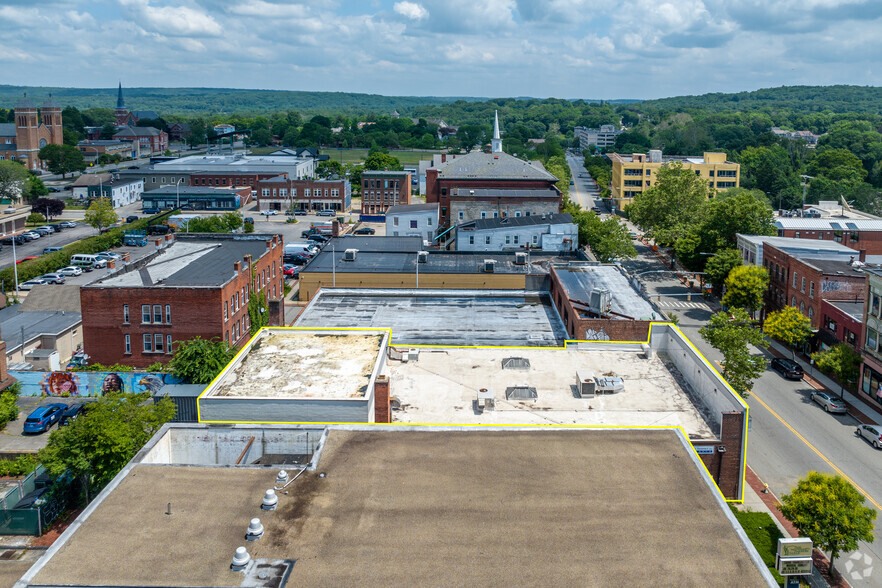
710 173
796 235
168 314
429 222
125 314
157 313
698 172
802 286
265 192
128 340
148 343
168 347
394 221
526 213
725 184
508 239
516 239
157 343
495 214
794 279
517 213
535 239
811 290
461 215
413 224
830 323
871 339
145 313
471 239
793 301
226 311
811 313
875 304
487 240
306 192
726 173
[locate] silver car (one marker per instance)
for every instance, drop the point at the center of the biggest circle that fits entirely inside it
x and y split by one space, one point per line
872 433
830 402
31 283
70 270
53 278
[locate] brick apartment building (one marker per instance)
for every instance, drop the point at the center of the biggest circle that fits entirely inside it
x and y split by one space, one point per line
195 285
842 321
805 282
148 139
382 189
856 233
491 185
282 193
230 178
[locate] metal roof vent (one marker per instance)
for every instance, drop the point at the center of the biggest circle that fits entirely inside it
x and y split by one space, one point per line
521 393
270 500
422 256
515 363
521 258
282 478
489 265
349 254
255 530
240 559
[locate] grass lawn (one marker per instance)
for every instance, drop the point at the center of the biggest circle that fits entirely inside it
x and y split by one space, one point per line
764 534
359 155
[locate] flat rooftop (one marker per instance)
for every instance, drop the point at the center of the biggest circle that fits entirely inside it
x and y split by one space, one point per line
299 364
441 317
578 280
442 385
412 508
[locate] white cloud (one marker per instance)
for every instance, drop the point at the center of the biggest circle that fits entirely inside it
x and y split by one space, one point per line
173 20
411 10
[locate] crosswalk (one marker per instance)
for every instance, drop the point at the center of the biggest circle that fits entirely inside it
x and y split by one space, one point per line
668 303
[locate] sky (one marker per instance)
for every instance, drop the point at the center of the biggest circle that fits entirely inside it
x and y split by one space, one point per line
591 49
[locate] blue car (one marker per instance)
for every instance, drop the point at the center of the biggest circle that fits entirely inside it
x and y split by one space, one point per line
44 417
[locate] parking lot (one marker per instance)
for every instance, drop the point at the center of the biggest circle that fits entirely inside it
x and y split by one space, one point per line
12 438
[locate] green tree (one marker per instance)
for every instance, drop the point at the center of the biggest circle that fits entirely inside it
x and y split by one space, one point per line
12 179
730 334
108 131
200 360
261 137
327 169
719 266
675 202
8 406
827 509
789 326
745 287
48 206
100 214
841 361
35 218
608 239
736 211
62 159
471 135
197 132
33 188
215 223
95 446
382 161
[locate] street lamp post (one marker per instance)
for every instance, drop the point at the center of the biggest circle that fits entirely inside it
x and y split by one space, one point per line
14 263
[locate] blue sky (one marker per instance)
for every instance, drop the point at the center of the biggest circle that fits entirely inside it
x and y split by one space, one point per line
564 48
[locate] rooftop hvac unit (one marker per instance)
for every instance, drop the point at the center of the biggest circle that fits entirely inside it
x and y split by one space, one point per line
489 265
349 254
655 156
600 300
485 400
422 256
585 384
521 258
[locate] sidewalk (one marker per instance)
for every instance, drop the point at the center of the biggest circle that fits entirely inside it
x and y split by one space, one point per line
860 410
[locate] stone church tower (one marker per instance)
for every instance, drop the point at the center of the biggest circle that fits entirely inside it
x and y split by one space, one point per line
32 133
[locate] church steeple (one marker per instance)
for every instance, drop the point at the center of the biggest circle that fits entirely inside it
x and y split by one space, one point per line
120 103
496 143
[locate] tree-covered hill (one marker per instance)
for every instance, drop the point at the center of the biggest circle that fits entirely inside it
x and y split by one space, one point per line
864 99
192 101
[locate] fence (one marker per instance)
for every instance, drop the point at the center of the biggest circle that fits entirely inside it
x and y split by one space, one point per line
32 521
90 383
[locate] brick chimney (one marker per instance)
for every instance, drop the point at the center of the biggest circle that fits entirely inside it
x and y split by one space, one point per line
862 255
382 400
158 243
335 228
237 267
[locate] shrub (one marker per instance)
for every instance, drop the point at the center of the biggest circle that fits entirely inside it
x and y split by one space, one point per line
20 466
35 218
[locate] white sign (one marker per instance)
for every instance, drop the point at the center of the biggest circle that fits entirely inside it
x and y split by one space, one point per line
704 449
796 547
794 566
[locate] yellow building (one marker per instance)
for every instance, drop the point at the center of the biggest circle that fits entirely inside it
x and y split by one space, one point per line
632 174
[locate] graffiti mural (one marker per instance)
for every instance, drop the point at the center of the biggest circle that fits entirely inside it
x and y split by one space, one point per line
90 383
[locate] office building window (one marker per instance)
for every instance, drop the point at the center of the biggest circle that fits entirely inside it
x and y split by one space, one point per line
145 313
157 343
125 314
157 313
128 340
148 343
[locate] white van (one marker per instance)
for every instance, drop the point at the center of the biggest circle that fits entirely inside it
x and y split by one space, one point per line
292 248
82 260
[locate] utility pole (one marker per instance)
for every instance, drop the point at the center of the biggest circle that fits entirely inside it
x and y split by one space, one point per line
15 264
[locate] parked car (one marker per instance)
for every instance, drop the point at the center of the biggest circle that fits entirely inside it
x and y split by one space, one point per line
292 272
99 263
31 235
18 239
53 278
872 433
70 270
830 402
326 213
109 255
787 368
31 283
296 259
132 218
47 228
364 231
51 250
249 219
67 224
54 189
28 258
318 238
269 212
43 417
300 213
72 412
150 211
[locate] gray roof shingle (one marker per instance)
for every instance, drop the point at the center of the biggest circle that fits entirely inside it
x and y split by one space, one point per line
493 166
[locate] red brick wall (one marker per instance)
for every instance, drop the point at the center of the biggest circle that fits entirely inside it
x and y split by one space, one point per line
843 323
372 198
382 400
250 180
869 241
435 186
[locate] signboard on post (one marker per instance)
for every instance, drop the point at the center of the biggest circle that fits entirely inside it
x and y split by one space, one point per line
794 566
794 556
797 547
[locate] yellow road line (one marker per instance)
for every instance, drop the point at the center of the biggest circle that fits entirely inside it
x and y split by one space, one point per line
818 453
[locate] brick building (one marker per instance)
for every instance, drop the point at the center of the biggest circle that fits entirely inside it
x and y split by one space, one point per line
230 178
147 139
860 234
33 129
842 321
195 285
871 344
126 117
282 193
805 282
92 150
382 189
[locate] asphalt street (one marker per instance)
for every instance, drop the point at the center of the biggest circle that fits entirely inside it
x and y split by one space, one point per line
789 435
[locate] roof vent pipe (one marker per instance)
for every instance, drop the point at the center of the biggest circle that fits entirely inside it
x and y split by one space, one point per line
255 530
270 500
240 560
282 478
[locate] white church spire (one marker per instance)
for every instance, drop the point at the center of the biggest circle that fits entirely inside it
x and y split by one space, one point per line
496 143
